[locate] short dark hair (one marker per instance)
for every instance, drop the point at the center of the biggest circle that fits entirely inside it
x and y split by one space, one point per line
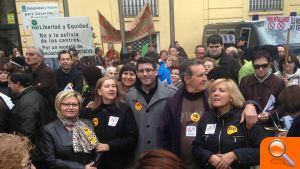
150 57
21 77
199 46
91 75
74 51
287 99
218 73
175 66
97 49
215 39
127 67
63 52
186 68
261 53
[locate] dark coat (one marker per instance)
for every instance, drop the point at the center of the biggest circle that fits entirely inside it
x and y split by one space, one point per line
244 143
252 89
231 65
74 77
4 116
27 116
168 136
57 147
121 138
44 81
294 130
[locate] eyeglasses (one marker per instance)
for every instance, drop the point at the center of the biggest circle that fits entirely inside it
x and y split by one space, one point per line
70 104
261 66
145 70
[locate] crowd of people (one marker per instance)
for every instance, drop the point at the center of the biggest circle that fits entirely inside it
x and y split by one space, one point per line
157 110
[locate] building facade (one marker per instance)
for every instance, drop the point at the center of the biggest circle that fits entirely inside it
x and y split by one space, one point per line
190 17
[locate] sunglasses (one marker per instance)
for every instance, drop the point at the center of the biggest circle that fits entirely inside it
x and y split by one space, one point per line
261 66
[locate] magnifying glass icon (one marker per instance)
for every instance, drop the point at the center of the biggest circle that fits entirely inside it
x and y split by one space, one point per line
277 149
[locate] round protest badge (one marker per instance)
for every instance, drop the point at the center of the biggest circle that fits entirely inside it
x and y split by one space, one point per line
195 117
138 106
95 121
231 129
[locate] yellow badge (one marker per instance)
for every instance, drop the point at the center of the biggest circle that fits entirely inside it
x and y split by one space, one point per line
138 106
95 121
231 129
195 117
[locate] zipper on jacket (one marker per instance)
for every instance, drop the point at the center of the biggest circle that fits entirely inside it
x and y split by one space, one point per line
220 135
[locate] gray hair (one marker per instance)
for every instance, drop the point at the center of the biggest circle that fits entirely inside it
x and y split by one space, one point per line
39 51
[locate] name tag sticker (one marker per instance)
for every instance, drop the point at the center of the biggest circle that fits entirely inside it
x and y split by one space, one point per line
113 121
210 128
191 131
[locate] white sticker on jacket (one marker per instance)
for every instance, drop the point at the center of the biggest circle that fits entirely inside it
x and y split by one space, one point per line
113 121
191 131
210 128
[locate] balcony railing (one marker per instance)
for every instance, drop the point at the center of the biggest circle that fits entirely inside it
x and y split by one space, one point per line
132 7
266 5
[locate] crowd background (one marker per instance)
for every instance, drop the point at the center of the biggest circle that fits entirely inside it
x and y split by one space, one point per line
115 110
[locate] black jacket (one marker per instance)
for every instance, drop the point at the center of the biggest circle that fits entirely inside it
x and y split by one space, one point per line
74 77
28 116
57 147
245 143
121 138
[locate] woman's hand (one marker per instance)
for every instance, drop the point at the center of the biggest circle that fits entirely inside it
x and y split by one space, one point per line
264 116
214 160
226 160
89 166
90 105
102 147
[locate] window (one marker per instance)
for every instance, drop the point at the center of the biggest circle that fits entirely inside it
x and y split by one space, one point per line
266 5
131 8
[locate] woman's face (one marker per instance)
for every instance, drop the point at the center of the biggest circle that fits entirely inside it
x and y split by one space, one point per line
108 91
220 97
3 76
169 62
128 78
69 107
290 66
175 76
164 56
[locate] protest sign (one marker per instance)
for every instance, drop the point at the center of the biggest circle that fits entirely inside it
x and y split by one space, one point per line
37 11
295 23
281 23
62 33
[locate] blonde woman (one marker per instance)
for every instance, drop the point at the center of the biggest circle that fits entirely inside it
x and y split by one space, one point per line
222 141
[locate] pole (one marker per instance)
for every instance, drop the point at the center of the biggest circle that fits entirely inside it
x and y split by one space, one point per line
172 27
287 50
122 26
66 8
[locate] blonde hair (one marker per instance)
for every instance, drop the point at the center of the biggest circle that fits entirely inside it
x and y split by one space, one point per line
13 149
64 95
233 90
98 99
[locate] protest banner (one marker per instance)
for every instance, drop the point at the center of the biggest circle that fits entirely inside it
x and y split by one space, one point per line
62 33
295 23
37 11
140 27
281 23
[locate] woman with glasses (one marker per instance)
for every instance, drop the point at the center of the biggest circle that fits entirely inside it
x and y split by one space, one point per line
15 151
69 141
115 126
175 76
289 71
263 87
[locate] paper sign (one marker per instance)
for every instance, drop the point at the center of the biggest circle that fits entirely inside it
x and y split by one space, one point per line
62 33
191 131
113 121
270 104
210 128
281 23
228 38
295 23
36 11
